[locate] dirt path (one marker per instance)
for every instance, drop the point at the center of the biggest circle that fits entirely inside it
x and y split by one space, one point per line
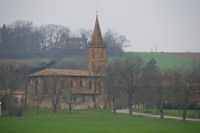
125 111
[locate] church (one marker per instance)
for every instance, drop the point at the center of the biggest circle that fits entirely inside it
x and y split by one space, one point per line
84 87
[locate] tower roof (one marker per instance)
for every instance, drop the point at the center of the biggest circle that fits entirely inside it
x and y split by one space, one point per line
97 37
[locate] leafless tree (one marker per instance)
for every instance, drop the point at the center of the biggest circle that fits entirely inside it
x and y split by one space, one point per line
131 77
185 87
55 91
97 76
53 36
36 92
113 82
115 42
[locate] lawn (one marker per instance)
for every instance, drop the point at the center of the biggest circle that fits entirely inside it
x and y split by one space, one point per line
93 121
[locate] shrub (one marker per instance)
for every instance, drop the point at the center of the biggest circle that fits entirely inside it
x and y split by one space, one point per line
13 108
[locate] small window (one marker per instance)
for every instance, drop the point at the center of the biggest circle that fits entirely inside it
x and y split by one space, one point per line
90 84
45 89
93 67
74 98
83 98
54 87
71 83
93 54
36 87
81 83
99 86
102 55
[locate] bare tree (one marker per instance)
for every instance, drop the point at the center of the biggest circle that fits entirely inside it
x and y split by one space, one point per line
36 92
113 82
53 36
185 84
55 91
115 42
131 77
97 76
154 80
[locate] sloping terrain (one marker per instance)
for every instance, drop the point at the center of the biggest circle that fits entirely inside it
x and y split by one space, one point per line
190 56
164 61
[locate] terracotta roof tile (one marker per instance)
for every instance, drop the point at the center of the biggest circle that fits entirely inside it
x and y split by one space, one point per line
60 72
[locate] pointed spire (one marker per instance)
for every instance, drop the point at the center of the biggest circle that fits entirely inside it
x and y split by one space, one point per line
97 37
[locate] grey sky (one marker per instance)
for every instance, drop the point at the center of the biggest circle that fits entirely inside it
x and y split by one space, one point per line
172 25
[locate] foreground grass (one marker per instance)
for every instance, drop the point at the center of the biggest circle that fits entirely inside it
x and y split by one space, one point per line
190 113
93 121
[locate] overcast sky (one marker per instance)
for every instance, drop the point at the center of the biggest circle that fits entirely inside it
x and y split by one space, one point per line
172 25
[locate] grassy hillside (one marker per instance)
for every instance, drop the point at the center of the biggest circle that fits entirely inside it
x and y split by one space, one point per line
93 121
164 61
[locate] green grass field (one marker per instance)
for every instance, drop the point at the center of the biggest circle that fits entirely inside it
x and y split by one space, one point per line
164 61
93 121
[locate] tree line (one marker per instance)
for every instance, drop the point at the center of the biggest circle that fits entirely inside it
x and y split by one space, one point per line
130 82
22 39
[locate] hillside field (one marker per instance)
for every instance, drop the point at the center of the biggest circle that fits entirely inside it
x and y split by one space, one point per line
93 121
164 61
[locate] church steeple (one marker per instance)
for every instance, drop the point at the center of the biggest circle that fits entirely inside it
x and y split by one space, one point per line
97 53
97 37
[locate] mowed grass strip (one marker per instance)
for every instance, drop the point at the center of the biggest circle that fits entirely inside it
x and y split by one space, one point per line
190 113
93 121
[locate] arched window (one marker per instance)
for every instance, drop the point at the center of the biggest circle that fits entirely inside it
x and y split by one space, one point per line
45 89
90 84
102 55
54 86
71 83
81 83
93 67
99 86
93 54
36 87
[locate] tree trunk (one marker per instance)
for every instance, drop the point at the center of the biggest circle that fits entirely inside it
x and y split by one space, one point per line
161 113
184 113
130 104
138 107
130 109
37 108
25 100
70 108
179 112
95 104
55 108
114 105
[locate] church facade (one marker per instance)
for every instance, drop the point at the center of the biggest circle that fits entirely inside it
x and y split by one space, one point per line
80 87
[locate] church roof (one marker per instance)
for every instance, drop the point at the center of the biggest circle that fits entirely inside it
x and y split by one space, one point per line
97 37
60 72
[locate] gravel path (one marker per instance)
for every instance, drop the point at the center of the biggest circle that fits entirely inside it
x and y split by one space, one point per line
125 111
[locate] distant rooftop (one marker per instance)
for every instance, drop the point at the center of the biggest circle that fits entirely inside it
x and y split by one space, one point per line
60 72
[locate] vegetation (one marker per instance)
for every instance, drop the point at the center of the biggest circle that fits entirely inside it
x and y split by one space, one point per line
164 61
145 84
90 121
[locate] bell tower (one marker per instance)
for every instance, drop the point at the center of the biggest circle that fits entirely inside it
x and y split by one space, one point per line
97 53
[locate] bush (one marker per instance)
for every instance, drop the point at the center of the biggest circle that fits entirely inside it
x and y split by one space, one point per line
3 98
13 108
